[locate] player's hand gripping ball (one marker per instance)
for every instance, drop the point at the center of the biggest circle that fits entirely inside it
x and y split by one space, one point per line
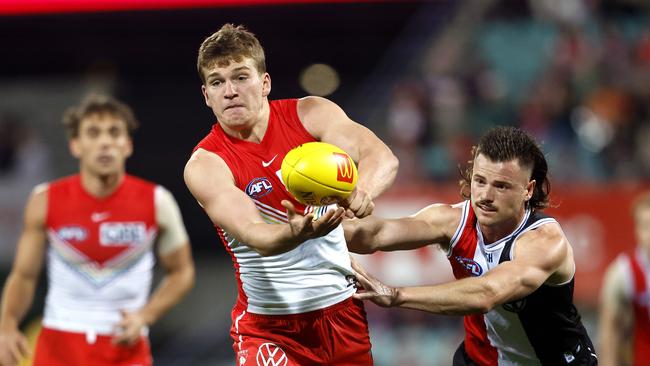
318 173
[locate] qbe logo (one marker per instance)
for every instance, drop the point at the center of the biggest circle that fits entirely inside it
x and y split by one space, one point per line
269 354
122 233
259 187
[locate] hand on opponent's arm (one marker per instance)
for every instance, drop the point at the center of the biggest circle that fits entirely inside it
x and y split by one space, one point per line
370 288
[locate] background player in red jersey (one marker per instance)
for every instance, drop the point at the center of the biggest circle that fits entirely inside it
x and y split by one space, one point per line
625 299
98 229
514 265
294 300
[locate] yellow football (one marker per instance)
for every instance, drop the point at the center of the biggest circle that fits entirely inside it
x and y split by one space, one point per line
318 173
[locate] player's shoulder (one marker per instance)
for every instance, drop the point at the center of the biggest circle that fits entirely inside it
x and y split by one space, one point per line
311 101
40 191
202 159
205 169
548 230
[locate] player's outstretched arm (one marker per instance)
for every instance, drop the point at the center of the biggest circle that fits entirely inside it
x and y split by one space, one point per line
538 258
20 286
377 165
614 318
434 224
212 184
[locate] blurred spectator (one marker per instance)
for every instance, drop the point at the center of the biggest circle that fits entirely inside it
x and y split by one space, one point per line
408 125
586 99
23 164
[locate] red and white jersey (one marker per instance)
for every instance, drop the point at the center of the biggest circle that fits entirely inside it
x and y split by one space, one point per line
543 328
635 269
313 275
100 256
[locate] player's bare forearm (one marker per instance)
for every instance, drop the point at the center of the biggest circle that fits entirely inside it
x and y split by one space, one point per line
269 239
272 239
371 234
448 299
610 344
466 296
377 170
507 282
17 298
611 337
178 280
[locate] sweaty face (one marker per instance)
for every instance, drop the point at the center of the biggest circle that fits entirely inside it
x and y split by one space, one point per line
236 94
642 221
102 145
499 192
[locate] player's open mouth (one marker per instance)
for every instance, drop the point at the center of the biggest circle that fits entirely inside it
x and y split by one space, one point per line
105 159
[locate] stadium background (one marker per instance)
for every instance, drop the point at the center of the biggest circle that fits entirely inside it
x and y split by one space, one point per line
427 77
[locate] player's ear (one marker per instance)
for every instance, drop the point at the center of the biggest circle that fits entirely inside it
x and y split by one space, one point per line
530 189
205 95
129 147
73 146
266 84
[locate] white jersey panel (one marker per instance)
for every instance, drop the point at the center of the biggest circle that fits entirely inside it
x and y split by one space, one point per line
504 328
311 276
84 297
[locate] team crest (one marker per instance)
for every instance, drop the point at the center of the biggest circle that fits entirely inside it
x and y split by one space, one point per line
259 187
270 354
242 356
472 267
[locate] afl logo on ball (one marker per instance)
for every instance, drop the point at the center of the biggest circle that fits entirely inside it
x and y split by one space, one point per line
259 187
271 355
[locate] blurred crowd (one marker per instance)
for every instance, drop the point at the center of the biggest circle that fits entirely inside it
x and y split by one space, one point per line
575 74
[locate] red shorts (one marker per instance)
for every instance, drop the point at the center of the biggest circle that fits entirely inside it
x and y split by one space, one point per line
336 335
58 348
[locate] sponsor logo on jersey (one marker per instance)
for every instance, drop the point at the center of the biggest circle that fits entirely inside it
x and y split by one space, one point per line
72 233
470 265
269 354
99 216
345 172
259 187
267 163
122 233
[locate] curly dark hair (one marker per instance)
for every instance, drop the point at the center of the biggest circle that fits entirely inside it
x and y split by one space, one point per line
98 104
502 144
